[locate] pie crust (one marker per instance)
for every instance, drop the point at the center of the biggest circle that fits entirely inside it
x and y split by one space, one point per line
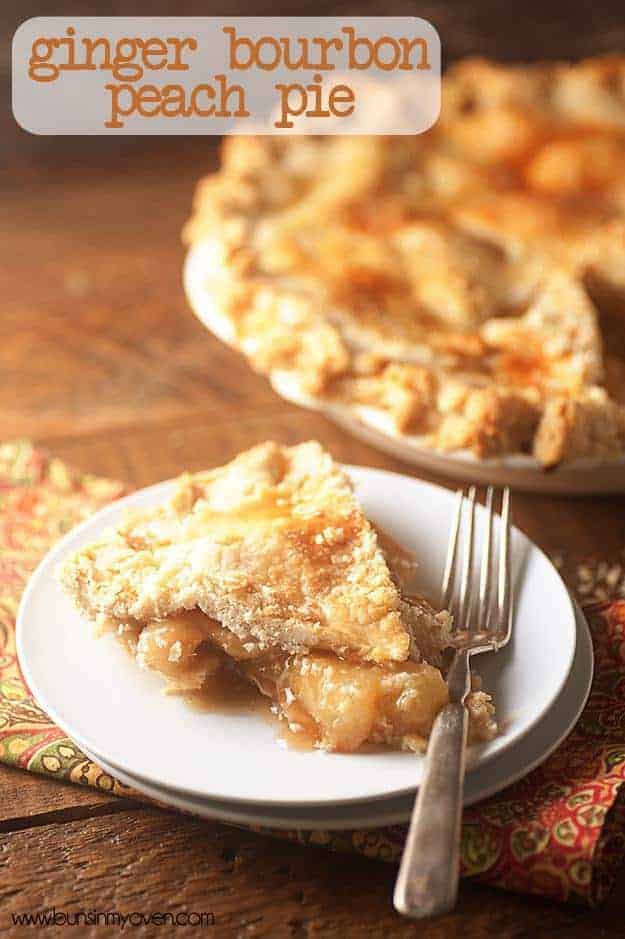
453 288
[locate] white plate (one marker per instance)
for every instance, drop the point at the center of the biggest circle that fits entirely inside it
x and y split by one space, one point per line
96 693
203 269
481 783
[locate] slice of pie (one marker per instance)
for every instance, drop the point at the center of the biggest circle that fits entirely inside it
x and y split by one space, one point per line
267 571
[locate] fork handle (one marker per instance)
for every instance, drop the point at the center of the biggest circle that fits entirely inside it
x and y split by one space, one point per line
427 883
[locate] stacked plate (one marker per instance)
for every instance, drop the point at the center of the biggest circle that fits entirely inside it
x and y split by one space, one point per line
230 766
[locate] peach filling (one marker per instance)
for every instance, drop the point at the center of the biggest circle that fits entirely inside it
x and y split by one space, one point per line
340 704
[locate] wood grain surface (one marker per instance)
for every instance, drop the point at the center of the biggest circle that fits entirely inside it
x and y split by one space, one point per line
103 363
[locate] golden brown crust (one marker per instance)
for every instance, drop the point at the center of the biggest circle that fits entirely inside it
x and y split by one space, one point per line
274 546
458 257
589 426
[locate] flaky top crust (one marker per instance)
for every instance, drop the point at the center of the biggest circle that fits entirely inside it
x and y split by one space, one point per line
274 546
437 286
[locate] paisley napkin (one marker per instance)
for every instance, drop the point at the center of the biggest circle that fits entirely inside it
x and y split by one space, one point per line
559 832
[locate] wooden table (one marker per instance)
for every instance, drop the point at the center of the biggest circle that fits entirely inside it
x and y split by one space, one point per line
103 363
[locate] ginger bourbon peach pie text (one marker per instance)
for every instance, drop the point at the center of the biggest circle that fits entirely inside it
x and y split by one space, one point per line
463 289
267 572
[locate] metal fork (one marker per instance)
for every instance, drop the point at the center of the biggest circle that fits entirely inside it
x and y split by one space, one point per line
427 883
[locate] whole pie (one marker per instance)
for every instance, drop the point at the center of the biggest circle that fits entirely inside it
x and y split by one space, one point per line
267 571
463 289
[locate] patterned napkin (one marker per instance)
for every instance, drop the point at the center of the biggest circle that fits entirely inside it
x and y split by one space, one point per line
559 832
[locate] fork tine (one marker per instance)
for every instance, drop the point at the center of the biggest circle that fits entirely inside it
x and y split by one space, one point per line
504 593
483 609
466 584
450 562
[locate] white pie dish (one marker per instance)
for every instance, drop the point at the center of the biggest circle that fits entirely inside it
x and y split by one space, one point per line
96 693
521 471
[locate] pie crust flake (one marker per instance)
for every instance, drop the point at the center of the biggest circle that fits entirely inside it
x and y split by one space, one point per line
267 572
443 288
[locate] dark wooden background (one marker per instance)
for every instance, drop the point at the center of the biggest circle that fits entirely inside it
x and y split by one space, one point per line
102 362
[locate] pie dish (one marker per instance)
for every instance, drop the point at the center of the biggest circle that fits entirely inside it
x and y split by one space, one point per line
266 571
461 290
